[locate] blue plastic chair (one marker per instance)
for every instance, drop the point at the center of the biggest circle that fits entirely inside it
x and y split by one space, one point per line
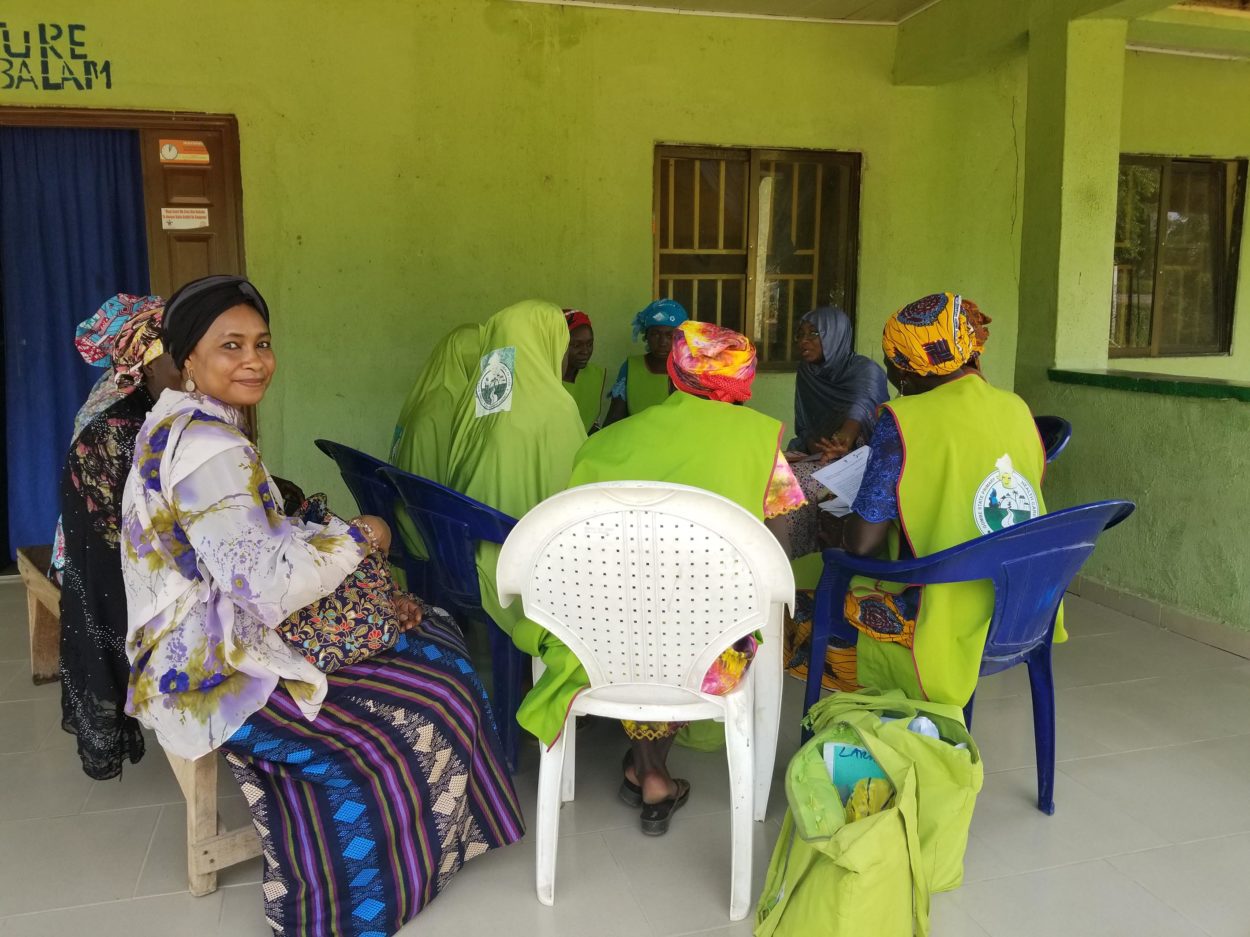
1030 565
1056 433
374 496
452 525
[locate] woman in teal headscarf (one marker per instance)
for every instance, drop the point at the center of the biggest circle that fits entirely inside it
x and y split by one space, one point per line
643 379
515 428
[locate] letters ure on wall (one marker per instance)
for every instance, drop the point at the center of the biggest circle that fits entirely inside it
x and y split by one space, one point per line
50 57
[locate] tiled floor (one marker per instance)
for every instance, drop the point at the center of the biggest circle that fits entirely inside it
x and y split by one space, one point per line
1151 836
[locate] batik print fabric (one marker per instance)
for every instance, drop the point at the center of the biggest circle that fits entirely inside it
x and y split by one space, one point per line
365 814
94 667
211 566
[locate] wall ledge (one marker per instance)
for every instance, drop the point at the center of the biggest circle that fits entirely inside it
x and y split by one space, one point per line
1207 631
1142 382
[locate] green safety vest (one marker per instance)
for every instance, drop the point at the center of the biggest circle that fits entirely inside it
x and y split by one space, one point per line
642 388
973 463
668 443
587 391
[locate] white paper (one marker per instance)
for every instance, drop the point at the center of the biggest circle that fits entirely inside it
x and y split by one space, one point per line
844 476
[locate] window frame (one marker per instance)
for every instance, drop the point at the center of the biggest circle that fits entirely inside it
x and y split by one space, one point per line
1225 252
755 157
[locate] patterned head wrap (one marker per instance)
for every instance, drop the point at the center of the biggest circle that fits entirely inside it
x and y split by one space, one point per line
978 320
660 312
124 334
930 336
576 319
711 361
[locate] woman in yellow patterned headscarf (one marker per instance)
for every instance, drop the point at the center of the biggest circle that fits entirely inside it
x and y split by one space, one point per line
932 336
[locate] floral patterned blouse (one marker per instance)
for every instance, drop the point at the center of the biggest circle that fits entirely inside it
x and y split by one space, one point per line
211 566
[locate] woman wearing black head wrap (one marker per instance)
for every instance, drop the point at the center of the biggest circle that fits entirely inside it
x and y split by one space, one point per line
237 615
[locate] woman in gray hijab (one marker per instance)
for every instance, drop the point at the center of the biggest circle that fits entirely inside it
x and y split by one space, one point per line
836 392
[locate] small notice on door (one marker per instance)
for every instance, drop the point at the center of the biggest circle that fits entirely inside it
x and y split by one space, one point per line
183 219
184 151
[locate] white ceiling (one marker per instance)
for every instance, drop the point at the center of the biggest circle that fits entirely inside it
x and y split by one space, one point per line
855 11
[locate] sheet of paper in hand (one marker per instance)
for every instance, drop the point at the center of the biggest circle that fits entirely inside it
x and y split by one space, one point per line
843 478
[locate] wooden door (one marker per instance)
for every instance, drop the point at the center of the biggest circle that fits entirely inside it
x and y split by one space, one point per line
192 196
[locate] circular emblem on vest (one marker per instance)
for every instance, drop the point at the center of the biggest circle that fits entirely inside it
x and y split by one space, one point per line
1004 499
494 387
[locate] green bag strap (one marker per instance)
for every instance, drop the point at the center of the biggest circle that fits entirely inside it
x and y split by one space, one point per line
830 709
902 774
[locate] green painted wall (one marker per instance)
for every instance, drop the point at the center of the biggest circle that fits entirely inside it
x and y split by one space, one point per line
1164 114
1181 459
410 164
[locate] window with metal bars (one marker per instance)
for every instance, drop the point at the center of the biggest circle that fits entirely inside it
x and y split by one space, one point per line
1177 241
752 239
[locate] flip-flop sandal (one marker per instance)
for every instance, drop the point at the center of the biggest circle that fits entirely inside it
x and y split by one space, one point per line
629 793
656 817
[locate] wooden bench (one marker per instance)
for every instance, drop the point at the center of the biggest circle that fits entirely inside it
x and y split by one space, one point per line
210 848
43 613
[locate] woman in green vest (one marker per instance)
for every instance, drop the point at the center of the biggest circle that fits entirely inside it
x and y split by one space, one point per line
953 458
643 379
515 428
696 437
583 380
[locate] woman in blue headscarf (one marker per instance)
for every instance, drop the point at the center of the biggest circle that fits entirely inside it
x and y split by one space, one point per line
643 379
836 392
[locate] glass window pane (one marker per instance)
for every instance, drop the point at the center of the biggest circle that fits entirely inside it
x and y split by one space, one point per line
1137 229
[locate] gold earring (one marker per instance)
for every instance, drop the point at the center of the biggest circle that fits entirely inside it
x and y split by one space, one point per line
189 384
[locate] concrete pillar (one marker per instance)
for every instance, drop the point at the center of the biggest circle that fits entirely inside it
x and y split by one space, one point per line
1072 152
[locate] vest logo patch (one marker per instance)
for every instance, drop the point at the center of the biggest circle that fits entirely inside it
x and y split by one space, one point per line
493 393
1004 499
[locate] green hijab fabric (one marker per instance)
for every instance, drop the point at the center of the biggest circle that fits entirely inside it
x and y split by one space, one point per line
515 429
423 432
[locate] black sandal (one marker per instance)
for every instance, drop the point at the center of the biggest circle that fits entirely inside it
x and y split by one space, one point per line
656 817
629 793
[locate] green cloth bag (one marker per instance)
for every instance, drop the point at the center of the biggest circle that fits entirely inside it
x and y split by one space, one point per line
948 779
840 879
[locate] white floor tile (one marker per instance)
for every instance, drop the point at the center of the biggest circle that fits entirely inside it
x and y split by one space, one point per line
948 919
165 869
149 783
242 913
45 783
26 724
1181 793
494 894
15 683
1084 619
168 916
1150 652
1003 729
1205 881
49 864
1090 899
1086 825
682 878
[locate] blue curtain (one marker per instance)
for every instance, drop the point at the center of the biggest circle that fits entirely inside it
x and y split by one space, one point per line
72 234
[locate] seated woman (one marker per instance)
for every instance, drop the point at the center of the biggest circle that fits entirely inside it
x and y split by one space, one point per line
643 379
974 464
583 380
369 786
422 436
836 396
685 440
124 336
515 428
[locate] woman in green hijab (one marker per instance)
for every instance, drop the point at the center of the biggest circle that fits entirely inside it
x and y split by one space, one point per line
515 428
423 431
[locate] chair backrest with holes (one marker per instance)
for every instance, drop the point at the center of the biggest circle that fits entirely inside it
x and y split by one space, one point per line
646 582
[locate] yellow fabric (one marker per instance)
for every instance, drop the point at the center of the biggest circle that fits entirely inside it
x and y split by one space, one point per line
933 335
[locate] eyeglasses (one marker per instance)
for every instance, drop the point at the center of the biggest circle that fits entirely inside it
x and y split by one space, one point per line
805 335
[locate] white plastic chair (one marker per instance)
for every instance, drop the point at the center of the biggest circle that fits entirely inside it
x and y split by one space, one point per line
647 583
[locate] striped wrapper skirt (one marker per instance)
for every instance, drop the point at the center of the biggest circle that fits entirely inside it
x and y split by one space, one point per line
365 813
